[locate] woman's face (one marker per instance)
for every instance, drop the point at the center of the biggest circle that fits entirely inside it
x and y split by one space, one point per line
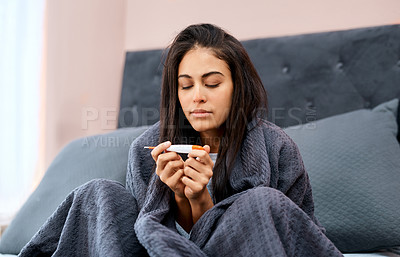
205 90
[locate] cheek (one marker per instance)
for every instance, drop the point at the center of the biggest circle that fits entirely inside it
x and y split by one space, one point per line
181 100
227 110
224 107
227 102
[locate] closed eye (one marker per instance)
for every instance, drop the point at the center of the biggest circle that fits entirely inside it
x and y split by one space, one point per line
212 86
187 87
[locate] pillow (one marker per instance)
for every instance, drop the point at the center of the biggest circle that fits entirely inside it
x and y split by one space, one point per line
100 156
353 161
398 122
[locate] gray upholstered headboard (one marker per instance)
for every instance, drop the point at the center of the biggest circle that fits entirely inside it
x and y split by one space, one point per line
307 77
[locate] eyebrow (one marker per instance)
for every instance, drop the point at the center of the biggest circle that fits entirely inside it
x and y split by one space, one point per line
203 76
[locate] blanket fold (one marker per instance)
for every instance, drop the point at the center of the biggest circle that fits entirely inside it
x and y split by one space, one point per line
96 219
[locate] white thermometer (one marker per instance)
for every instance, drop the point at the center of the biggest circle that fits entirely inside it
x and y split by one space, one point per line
180 148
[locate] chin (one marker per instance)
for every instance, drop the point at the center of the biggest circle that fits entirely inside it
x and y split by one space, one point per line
196 125
200 128
203 126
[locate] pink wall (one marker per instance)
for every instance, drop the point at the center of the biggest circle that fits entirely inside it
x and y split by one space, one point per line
86 42
153 23
83 71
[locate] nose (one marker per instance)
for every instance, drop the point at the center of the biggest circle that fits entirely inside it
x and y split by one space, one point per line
198 94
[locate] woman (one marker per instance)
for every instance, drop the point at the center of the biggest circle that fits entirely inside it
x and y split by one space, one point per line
245 194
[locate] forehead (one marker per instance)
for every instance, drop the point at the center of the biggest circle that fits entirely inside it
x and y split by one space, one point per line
199 61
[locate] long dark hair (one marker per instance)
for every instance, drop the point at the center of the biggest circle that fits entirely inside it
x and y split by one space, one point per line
249 99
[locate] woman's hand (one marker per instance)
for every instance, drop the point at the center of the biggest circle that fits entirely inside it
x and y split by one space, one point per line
197 174
197 171
188 180
169 168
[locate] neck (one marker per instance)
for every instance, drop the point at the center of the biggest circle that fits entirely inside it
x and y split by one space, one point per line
211 138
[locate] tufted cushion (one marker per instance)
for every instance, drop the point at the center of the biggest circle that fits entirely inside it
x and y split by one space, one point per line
141 87
314 76
100 156
353 161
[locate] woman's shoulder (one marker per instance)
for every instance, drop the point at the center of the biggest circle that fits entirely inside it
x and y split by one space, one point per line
149 137
275 138
273 132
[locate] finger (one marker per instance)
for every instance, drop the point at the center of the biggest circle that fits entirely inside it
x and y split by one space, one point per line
168 156
170 168
196 176
175 179
198 166
201 156
159 149
207 148
163 159
194 186
199 163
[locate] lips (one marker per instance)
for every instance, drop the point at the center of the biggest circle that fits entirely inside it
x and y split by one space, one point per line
200 113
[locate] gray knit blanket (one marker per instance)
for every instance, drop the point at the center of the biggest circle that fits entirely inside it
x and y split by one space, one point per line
271 212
